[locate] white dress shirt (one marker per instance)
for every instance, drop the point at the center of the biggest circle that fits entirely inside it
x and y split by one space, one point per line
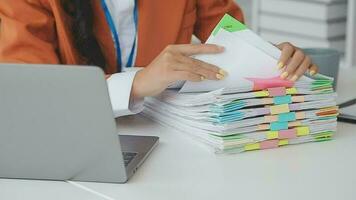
120 84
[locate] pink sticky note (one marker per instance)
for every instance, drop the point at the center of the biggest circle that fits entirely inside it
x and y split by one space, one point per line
262 84
287 134
277 91
269 144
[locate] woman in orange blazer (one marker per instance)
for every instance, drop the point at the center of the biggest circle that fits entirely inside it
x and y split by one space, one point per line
118 34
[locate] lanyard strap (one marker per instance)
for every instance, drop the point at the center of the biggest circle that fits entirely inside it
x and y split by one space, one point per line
115 35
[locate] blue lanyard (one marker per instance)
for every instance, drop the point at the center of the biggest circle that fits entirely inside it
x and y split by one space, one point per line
116 35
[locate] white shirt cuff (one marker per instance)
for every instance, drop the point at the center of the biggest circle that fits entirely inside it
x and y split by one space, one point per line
119 86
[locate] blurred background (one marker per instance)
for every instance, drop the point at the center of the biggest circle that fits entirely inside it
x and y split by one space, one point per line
306 23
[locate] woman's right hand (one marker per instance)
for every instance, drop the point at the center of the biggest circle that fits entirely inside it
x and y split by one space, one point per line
173 64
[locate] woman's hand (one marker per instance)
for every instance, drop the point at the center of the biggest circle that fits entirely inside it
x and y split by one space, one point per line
294 63
173 64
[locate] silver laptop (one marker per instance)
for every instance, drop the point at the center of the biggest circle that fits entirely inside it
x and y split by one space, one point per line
56 123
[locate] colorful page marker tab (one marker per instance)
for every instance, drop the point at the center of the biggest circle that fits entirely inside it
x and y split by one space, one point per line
298 99
269 144
230 24
277 91
287 134
283 142
270 118
272 135
261 93
262 84
250 147
263 127
276 126
304 130
300 115
282 100
278 109
292 90
287 117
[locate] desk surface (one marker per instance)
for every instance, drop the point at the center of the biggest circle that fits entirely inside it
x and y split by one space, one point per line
11 189
181 168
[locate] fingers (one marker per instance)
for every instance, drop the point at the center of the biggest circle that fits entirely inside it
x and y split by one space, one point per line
302 68
194 49
293 64
185 75
287 52
313 70
205 70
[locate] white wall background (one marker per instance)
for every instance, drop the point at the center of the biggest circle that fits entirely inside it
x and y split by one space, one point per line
259 18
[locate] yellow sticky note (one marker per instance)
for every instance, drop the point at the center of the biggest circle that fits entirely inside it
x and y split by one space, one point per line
251 147
278 109
283 142
303 130
272 135
291 90
261 94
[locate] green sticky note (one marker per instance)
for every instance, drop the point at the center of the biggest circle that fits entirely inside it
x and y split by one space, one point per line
230 24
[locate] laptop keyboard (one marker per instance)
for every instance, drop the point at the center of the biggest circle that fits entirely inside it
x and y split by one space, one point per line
128 157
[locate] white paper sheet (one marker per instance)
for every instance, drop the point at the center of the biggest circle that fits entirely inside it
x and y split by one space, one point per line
240 59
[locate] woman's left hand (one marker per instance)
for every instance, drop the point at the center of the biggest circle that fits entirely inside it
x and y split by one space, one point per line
294 63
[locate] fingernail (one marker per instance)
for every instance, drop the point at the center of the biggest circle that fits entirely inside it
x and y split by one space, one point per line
223 72
280 65
312 72
294 78
284 75
202 78
220 76
221 48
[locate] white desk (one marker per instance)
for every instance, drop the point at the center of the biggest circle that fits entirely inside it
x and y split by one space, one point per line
11 189
181 168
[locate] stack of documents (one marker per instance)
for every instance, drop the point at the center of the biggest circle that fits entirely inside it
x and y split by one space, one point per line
252 108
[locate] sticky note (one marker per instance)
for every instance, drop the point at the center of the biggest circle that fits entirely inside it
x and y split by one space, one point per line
267 101
298 98
263 83
272 135
276 126
291 90
283 108
295 123
263 127
303 130
261 94
270 118
283 142
287 134
282 100
269 144
287 117
277 91
250 147
300 115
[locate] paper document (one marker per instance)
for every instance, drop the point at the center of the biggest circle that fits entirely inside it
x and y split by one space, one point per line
240 59
252 108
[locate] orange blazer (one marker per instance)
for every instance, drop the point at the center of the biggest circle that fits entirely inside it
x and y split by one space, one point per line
38 31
